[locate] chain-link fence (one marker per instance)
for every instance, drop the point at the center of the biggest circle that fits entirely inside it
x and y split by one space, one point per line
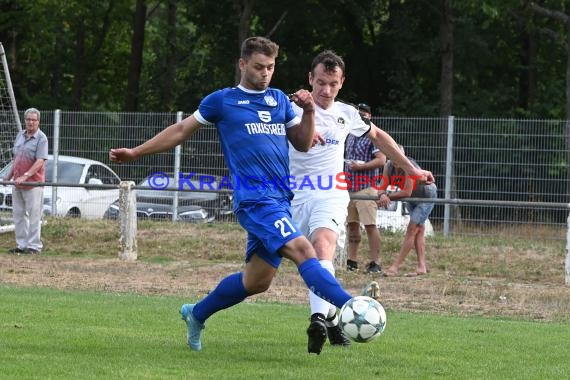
492 174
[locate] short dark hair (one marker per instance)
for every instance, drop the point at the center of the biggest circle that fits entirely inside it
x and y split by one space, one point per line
330 61
364 107
261 45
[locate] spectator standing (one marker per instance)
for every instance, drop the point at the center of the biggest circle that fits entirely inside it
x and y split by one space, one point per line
364 160
30 152
419 213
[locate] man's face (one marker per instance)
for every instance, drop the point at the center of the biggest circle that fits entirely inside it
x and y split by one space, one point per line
325 84
365 114
32 123
257 71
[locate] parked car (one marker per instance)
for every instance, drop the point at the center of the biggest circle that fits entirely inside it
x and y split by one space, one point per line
193 206
73 201
396 219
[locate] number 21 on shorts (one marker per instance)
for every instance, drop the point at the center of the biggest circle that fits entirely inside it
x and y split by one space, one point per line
285 226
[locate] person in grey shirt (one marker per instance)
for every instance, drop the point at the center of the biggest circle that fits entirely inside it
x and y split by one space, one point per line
30 152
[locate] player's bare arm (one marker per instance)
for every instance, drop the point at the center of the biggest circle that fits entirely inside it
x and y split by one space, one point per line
302 136
167 139
387 145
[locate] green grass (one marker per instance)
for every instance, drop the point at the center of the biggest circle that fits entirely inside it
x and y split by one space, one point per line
53 334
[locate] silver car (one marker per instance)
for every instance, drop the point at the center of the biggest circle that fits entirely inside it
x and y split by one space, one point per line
77 201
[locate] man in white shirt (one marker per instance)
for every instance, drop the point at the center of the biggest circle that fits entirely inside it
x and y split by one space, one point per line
320 200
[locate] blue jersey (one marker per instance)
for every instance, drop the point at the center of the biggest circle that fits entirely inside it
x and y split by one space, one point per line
252 129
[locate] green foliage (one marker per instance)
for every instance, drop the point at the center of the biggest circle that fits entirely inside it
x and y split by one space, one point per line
73 335
75 54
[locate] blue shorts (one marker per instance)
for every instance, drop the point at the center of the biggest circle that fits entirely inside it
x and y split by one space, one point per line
419 212
269 227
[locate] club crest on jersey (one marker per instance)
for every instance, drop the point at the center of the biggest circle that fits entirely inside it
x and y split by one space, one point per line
270 100
264 116
341 123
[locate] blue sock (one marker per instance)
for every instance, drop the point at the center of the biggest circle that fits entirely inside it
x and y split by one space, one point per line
323 283
229 292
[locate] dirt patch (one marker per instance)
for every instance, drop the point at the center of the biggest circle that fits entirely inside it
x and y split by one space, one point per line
436 292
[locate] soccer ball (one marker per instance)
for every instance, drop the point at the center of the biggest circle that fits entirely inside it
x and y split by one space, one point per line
362 319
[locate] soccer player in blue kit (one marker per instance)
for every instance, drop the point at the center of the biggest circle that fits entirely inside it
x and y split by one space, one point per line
255 124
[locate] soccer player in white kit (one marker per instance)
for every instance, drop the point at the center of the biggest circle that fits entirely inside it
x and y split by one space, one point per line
319 206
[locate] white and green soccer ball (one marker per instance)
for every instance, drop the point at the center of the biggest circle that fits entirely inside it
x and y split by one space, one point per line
362 319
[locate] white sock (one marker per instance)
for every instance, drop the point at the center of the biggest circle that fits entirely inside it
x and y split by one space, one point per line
319 305
331 319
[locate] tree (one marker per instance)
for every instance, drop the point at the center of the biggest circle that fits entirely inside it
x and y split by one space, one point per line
135 63
170 57
446 51
86 54
563 18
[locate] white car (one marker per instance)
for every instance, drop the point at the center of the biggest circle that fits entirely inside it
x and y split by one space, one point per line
73 201
396 219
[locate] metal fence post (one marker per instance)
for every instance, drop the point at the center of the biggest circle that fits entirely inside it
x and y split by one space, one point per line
128 221
448 174
177 154
55 150
567 261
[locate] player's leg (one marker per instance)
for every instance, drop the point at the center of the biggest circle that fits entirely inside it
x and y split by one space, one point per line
325 221
261 266
317 331
302 253
318 279
230 291
324 242
233 289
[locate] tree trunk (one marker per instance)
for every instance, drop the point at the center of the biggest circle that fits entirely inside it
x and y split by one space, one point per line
446 38
446 31
244 8
79 69
170 69
135 64
527 78
567 109
565 19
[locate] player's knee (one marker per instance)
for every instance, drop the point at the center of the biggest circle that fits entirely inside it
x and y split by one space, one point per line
257 284
258 287
323 248
298 250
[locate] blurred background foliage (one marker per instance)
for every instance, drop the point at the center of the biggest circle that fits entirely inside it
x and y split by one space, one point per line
470 58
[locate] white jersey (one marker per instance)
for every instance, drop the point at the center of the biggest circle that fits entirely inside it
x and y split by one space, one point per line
317 174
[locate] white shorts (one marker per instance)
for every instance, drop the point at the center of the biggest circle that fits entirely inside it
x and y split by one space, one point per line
327 213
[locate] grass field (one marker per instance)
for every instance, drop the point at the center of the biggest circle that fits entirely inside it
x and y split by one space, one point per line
492 308
52 334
